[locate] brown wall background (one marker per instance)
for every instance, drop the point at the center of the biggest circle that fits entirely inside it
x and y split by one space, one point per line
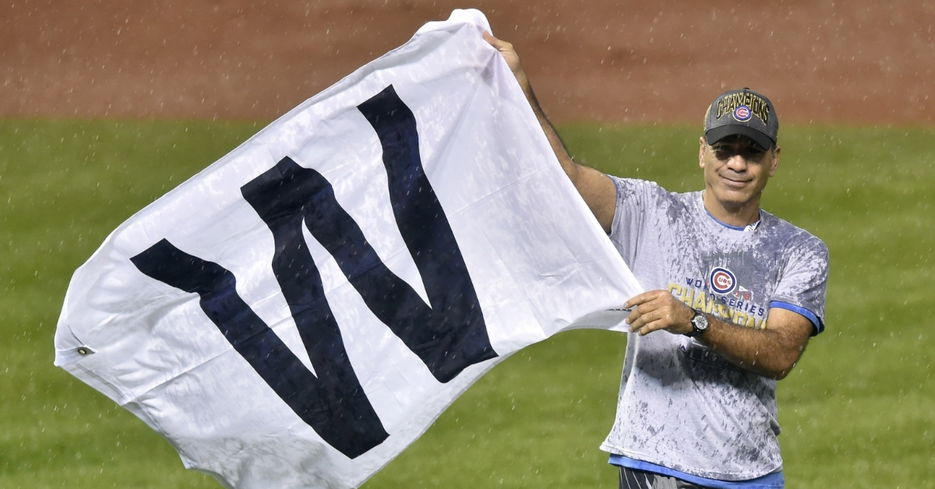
862 61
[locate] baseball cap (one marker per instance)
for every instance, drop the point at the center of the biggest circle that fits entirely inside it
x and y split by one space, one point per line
742 112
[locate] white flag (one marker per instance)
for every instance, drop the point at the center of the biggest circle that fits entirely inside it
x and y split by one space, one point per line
299 312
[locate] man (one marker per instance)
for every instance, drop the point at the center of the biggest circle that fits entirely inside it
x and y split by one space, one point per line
735 295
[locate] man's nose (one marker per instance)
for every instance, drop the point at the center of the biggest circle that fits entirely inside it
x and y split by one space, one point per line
737 162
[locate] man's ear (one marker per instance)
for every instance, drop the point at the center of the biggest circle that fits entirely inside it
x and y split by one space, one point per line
774 164
701 147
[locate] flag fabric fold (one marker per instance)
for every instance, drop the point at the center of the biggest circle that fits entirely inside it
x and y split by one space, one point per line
303 309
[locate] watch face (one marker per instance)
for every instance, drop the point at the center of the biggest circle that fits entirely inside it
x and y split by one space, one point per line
700 321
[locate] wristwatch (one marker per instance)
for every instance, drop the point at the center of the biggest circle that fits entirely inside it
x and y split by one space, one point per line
699 324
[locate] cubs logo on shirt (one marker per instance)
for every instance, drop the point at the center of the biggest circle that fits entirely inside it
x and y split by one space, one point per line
722 281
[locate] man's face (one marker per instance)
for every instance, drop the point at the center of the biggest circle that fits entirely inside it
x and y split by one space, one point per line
736 170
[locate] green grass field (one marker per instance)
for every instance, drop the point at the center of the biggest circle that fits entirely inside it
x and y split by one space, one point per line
857 412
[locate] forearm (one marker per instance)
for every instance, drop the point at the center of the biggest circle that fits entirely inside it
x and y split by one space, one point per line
558 146
595 188
771 351
767 352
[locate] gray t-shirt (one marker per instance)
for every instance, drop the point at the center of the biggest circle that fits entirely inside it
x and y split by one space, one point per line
681 405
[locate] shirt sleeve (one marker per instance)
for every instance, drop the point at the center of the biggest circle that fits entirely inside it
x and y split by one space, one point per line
634 197
803 283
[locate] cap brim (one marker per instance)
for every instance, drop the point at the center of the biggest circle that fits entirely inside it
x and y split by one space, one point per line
718 133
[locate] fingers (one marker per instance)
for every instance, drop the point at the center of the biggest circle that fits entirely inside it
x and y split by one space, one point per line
657 310
644 321
508 52
505 48
497 43
644 298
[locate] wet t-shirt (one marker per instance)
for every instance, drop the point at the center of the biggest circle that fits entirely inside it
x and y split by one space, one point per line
681 405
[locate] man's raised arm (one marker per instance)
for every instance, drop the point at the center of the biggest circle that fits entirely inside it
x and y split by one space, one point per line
596 188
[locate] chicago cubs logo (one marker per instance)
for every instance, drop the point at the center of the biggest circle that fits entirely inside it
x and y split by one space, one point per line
742 113
722 280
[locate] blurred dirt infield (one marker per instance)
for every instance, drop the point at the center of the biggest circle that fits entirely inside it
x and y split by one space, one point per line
862 61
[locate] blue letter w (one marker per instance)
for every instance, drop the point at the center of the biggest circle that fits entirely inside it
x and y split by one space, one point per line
448 334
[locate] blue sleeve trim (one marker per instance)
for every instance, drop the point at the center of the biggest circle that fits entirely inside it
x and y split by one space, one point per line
774 480
816 321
